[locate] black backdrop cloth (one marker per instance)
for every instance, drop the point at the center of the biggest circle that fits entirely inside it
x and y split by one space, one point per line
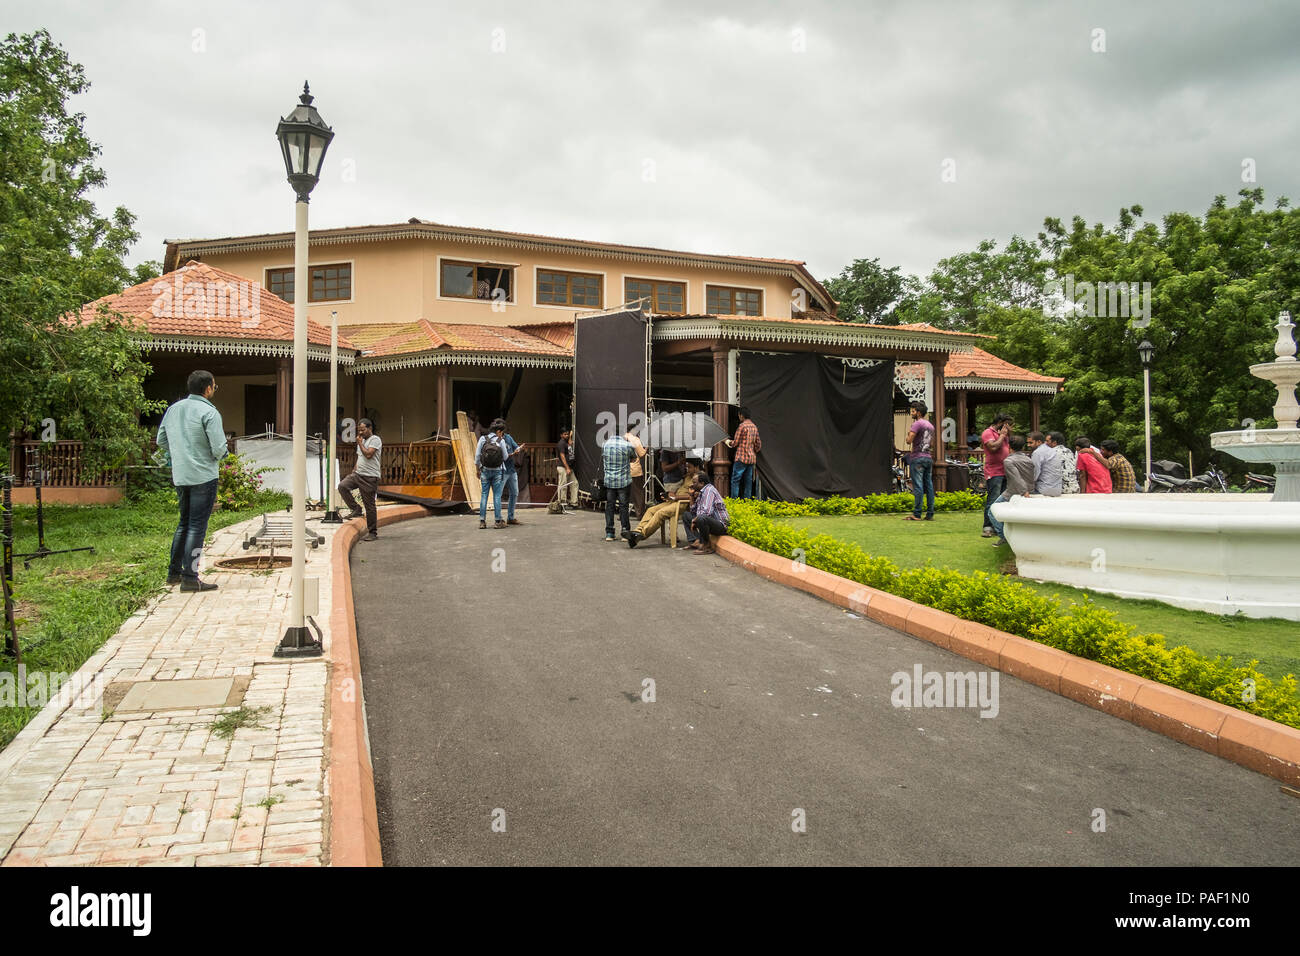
609 386
827 428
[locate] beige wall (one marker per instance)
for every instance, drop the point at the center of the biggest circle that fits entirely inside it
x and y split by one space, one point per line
398 281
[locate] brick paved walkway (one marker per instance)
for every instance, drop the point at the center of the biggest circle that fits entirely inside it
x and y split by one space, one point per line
80 787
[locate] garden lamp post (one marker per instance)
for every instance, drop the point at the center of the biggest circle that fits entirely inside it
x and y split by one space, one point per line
304 137
331 507
1146 351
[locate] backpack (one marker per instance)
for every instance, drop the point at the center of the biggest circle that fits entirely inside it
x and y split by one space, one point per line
491 456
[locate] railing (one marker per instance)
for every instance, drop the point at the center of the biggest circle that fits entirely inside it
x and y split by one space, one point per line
61 464
407 463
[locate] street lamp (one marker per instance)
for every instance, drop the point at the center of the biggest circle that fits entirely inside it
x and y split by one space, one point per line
304 137
1147 351
332 515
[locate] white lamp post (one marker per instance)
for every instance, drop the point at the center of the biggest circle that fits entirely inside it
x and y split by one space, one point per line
304 137
331 509
1146 350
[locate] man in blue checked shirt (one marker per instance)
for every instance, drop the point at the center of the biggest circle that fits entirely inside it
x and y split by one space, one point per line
616 456
192 438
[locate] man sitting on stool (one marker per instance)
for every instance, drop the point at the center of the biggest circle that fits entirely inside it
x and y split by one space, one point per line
656 515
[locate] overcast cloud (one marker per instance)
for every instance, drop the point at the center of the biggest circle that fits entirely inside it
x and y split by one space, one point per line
814 130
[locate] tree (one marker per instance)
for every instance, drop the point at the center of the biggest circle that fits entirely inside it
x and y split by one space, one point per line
56 254
1216 286
866 291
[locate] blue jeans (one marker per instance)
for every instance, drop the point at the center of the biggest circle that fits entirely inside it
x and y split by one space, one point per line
993 488
616 496
512 493
494 478
196 503
922 486
742 480
994 522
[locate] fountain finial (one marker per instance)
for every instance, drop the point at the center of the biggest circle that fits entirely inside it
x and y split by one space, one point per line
1285 347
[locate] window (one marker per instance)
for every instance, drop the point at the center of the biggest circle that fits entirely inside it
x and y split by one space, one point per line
568 288
478 280
329 283
668 298
725 301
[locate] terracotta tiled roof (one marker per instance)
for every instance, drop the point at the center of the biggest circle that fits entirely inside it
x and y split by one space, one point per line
408 338
394 338
493 338
980 364
200 301
927 327
557 333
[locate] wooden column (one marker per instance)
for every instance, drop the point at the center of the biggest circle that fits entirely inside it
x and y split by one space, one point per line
963 420
358 396
721 457
283 396
940 459
444 400
1034 410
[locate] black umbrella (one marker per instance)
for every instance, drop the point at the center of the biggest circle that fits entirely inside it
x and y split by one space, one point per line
683 431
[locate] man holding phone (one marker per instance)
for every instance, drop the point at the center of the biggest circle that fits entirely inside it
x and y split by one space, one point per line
996 449
364 478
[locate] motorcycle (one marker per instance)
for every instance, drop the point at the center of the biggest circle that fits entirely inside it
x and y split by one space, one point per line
1169 477
1264 482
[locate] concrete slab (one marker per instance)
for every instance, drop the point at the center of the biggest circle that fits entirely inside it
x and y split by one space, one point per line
155 695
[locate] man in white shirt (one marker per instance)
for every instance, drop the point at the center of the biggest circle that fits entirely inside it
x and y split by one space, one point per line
364 478
1047 466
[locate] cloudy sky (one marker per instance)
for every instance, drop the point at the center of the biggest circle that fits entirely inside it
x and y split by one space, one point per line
810 130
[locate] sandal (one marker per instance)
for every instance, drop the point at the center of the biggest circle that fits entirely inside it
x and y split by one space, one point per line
912 518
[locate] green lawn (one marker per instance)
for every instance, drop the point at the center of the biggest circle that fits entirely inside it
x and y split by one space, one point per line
68 605
953 540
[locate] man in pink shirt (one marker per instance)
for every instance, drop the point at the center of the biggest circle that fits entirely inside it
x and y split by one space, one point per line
1094 476
996 449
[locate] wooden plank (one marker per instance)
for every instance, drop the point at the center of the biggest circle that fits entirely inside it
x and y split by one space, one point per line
465 465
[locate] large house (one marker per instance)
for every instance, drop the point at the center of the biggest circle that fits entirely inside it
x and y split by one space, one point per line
435 319
438 319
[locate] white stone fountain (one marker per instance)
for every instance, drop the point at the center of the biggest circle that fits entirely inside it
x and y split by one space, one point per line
1277 446
1223 553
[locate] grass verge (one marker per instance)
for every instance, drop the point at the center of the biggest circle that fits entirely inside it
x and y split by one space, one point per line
68 605
953 541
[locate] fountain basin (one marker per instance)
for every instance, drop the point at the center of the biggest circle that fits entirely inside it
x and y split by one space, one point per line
1206 552
1267 446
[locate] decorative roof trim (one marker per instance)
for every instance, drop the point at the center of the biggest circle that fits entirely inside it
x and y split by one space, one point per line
1002 385
173 343
774 330
422 359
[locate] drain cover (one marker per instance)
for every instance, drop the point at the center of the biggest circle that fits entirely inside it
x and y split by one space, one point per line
151 695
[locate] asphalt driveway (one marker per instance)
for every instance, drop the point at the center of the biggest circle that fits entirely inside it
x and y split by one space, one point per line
505 679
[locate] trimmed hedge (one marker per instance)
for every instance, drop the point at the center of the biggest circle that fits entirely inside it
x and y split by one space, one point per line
1084 630
871 505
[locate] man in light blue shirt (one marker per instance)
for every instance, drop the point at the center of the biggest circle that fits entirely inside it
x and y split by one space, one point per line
192 437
